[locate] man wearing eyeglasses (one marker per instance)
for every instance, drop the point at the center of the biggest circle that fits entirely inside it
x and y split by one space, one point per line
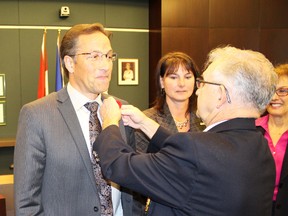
226 170
54 164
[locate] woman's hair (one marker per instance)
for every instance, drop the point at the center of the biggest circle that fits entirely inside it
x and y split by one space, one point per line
168 64
69 42
282 70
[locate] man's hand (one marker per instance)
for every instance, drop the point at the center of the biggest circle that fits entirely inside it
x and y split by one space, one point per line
110 112
133 117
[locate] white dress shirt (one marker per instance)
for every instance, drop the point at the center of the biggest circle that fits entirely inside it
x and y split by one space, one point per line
213 125
78 100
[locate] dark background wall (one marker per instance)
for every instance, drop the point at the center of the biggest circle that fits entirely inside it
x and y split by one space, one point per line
20 50
197 26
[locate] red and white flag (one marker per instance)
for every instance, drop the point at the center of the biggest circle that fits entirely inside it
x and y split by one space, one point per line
43 87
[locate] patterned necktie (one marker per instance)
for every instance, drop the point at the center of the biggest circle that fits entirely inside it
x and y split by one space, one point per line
104 190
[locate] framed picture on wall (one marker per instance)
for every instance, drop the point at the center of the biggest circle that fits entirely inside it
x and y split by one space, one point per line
2 86
128 72
2 113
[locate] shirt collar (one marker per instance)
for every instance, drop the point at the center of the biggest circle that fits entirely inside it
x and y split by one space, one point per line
79 100
213 125
263 122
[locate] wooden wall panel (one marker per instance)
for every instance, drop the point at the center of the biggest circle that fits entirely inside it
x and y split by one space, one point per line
192 41
274 14
234 14
241 38
197 26
185 13
155 44
274 44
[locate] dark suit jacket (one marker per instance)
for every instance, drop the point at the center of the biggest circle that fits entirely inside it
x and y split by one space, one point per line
53 172
227 171
281 206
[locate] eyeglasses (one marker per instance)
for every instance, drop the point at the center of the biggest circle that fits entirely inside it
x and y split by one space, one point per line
200 83
98 56
281 92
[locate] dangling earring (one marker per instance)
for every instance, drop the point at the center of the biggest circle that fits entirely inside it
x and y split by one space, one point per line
162 91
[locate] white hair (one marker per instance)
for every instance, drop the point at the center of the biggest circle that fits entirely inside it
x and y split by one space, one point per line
251 73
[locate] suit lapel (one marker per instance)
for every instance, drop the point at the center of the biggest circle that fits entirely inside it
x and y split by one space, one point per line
284 173
69 115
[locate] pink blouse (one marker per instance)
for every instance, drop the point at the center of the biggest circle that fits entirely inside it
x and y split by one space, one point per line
278 151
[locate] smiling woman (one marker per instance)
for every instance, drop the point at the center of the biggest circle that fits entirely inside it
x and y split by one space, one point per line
274 125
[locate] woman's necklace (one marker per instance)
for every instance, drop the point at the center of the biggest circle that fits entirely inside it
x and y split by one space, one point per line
180 125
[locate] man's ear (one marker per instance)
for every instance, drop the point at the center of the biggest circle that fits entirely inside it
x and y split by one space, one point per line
69 63
222 96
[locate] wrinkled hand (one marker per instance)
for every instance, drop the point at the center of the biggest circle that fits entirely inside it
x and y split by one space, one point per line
110 112
132 116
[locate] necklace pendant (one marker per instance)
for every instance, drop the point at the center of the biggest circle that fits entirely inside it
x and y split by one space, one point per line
180 125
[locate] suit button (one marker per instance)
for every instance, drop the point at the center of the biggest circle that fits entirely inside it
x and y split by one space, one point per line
96 209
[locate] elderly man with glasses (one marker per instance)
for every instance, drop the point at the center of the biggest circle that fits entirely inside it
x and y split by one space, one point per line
227 170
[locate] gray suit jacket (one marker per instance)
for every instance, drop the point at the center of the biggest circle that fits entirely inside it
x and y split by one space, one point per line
53 173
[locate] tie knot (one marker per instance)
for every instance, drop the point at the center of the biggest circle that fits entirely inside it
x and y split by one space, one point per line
92 106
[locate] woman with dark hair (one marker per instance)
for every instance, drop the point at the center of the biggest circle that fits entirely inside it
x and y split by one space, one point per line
175 104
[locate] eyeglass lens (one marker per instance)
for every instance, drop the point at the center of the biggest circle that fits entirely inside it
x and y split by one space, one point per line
282 91
98 56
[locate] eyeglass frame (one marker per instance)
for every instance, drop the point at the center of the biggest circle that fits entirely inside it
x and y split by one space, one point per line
201 80
283 95
113 57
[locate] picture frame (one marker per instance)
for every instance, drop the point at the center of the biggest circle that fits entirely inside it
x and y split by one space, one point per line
2 86
128 73
2 113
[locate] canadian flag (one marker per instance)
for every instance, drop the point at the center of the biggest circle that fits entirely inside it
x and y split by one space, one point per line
43 87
